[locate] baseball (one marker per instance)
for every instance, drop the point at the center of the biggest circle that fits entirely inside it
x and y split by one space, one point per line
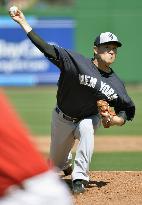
13 10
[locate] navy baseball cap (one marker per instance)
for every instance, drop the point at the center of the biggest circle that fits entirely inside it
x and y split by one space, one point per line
106 38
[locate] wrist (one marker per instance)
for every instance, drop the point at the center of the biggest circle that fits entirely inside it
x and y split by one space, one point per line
116 120
27 28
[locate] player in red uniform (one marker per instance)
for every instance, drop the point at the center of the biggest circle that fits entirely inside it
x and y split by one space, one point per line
25 176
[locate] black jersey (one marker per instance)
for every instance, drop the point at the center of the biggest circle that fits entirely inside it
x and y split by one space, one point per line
81 84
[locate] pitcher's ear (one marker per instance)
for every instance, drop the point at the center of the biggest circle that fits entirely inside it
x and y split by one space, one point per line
95 50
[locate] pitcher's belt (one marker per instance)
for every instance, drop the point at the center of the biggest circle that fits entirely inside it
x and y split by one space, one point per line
66 117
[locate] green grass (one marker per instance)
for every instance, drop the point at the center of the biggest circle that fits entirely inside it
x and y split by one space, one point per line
120 161
35 108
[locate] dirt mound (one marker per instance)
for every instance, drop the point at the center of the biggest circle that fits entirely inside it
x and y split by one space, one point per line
108 187
102 144
111 188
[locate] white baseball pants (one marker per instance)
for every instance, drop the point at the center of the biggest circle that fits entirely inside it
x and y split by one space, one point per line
63 135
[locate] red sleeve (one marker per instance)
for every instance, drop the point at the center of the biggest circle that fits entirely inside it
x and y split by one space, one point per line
19 158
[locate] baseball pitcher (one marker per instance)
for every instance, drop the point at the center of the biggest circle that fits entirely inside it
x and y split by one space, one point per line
77 114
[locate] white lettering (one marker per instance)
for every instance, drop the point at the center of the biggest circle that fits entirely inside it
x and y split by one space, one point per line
108 91
81 79
115 96
24 65
93 82
21 56
105 89
17 50
102 85
87 80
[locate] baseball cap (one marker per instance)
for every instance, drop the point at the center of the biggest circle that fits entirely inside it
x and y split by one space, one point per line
106 38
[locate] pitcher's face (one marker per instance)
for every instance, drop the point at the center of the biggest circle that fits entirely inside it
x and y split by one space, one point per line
106 52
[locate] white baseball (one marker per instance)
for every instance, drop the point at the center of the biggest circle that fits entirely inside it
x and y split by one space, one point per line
13 10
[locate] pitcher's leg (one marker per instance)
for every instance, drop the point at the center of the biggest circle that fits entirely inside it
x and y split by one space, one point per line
69 160
84 150
85 133
62 140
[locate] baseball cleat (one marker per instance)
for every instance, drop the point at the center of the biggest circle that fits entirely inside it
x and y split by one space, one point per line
78 186
68 170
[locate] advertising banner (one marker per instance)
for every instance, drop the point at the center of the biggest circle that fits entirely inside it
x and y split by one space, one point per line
21 63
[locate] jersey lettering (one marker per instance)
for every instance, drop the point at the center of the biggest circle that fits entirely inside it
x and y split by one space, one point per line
88 80
108 91
105 89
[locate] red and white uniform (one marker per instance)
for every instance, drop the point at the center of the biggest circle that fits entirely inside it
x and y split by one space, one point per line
21 165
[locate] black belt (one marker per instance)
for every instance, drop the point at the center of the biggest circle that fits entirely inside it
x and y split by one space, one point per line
66 117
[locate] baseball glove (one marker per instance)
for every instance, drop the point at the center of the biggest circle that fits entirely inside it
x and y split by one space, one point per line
104 107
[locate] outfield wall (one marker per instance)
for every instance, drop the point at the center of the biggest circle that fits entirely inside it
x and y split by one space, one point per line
121 17
93 17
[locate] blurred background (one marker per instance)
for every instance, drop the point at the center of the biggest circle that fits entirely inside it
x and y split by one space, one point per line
88 20
29 80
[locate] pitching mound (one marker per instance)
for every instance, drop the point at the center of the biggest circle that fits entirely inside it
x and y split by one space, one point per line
111 188
108 188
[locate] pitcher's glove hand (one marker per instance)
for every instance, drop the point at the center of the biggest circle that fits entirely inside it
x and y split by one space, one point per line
106 113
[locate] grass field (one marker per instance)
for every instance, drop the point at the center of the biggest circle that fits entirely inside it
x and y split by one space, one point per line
120 161
35 107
